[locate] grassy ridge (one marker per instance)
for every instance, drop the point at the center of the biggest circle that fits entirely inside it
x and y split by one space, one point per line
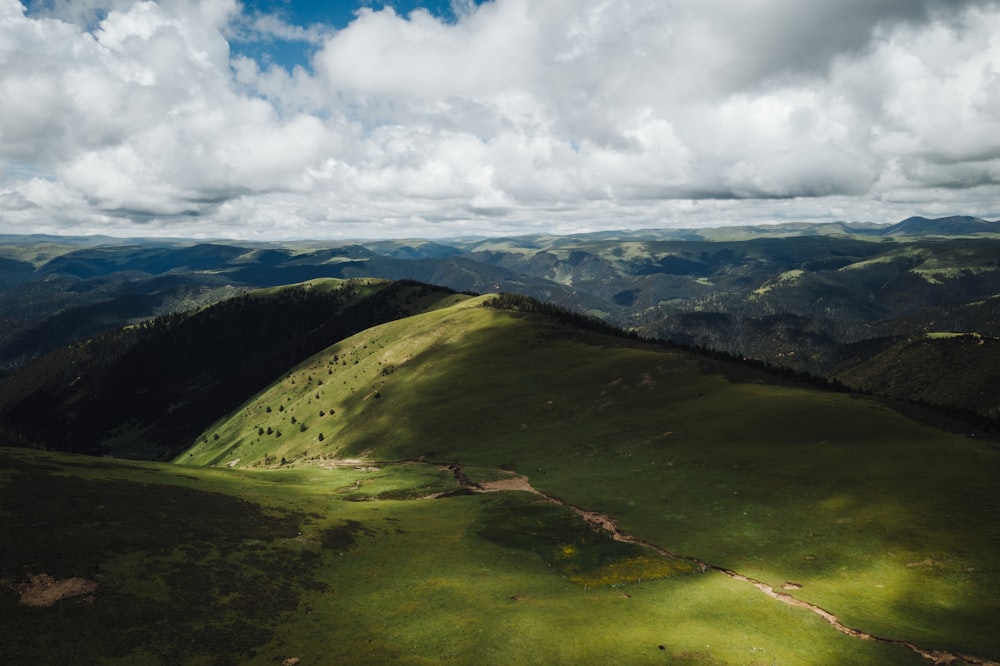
145 391
889 524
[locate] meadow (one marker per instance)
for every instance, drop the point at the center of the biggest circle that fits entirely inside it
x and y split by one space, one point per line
198 565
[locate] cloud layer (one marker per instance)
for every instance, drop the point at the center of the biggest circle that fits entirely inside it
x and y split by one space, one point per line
518 116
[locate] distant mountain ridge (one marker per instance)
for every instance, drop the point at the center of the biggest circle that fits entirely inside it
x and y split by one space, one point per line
792 295
943 226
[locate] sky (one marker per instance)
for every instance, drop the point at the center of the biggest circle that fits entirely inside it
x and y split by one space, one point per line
282 119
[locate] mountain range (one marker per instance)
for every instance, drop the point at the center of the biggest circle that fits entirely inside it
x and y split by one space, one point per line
811 298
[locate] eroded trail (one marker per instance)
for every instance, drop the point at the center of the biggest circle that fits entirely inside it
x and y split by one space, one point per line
604 523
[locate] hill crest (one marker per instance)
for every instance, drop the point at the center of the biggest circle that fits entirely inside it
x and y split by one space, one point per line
145 391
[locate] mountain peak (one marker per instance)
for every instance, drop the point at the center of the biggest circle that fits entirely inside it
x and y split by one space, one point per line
951 225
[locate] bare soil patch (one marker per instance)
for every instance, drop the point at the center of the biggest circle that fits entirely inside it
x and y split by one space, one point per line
502 485
42 590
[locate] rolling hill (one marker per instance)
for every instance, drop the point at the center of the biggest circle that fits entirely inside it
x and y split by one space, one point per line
493 480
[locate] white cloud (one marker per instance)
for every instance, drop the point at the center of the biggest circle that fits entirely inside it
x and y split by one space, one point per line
518 115
267 27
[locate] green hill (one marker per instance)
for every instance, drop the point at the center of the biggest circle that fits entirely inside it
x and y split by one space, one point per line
145 391
647 505
782 484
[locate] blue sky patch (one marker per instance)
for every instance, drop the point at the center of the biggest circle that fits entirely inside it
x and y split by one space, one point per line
317 17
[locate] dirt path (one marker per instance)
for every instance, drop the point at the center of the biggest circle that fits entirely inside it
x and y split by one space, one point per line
604 523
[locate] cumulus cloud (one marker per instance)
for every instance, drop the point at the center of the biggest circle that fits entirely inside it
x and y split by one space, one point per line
514 116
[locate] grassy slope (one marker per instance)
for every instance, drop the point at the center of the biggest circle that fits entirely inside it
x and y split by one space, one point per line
889 524
199 565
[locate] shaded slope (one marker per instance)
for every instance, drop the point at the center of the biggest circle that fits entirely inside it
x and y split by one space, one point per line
952 370
158 550
83 309
145 391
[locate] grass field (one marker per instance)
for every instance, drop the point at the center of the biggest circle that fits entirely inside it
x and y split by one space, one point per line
197 565
256 548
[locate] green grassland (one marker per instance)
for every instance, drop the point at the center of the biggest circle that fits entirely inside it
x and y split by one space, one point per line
207 566
887 523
